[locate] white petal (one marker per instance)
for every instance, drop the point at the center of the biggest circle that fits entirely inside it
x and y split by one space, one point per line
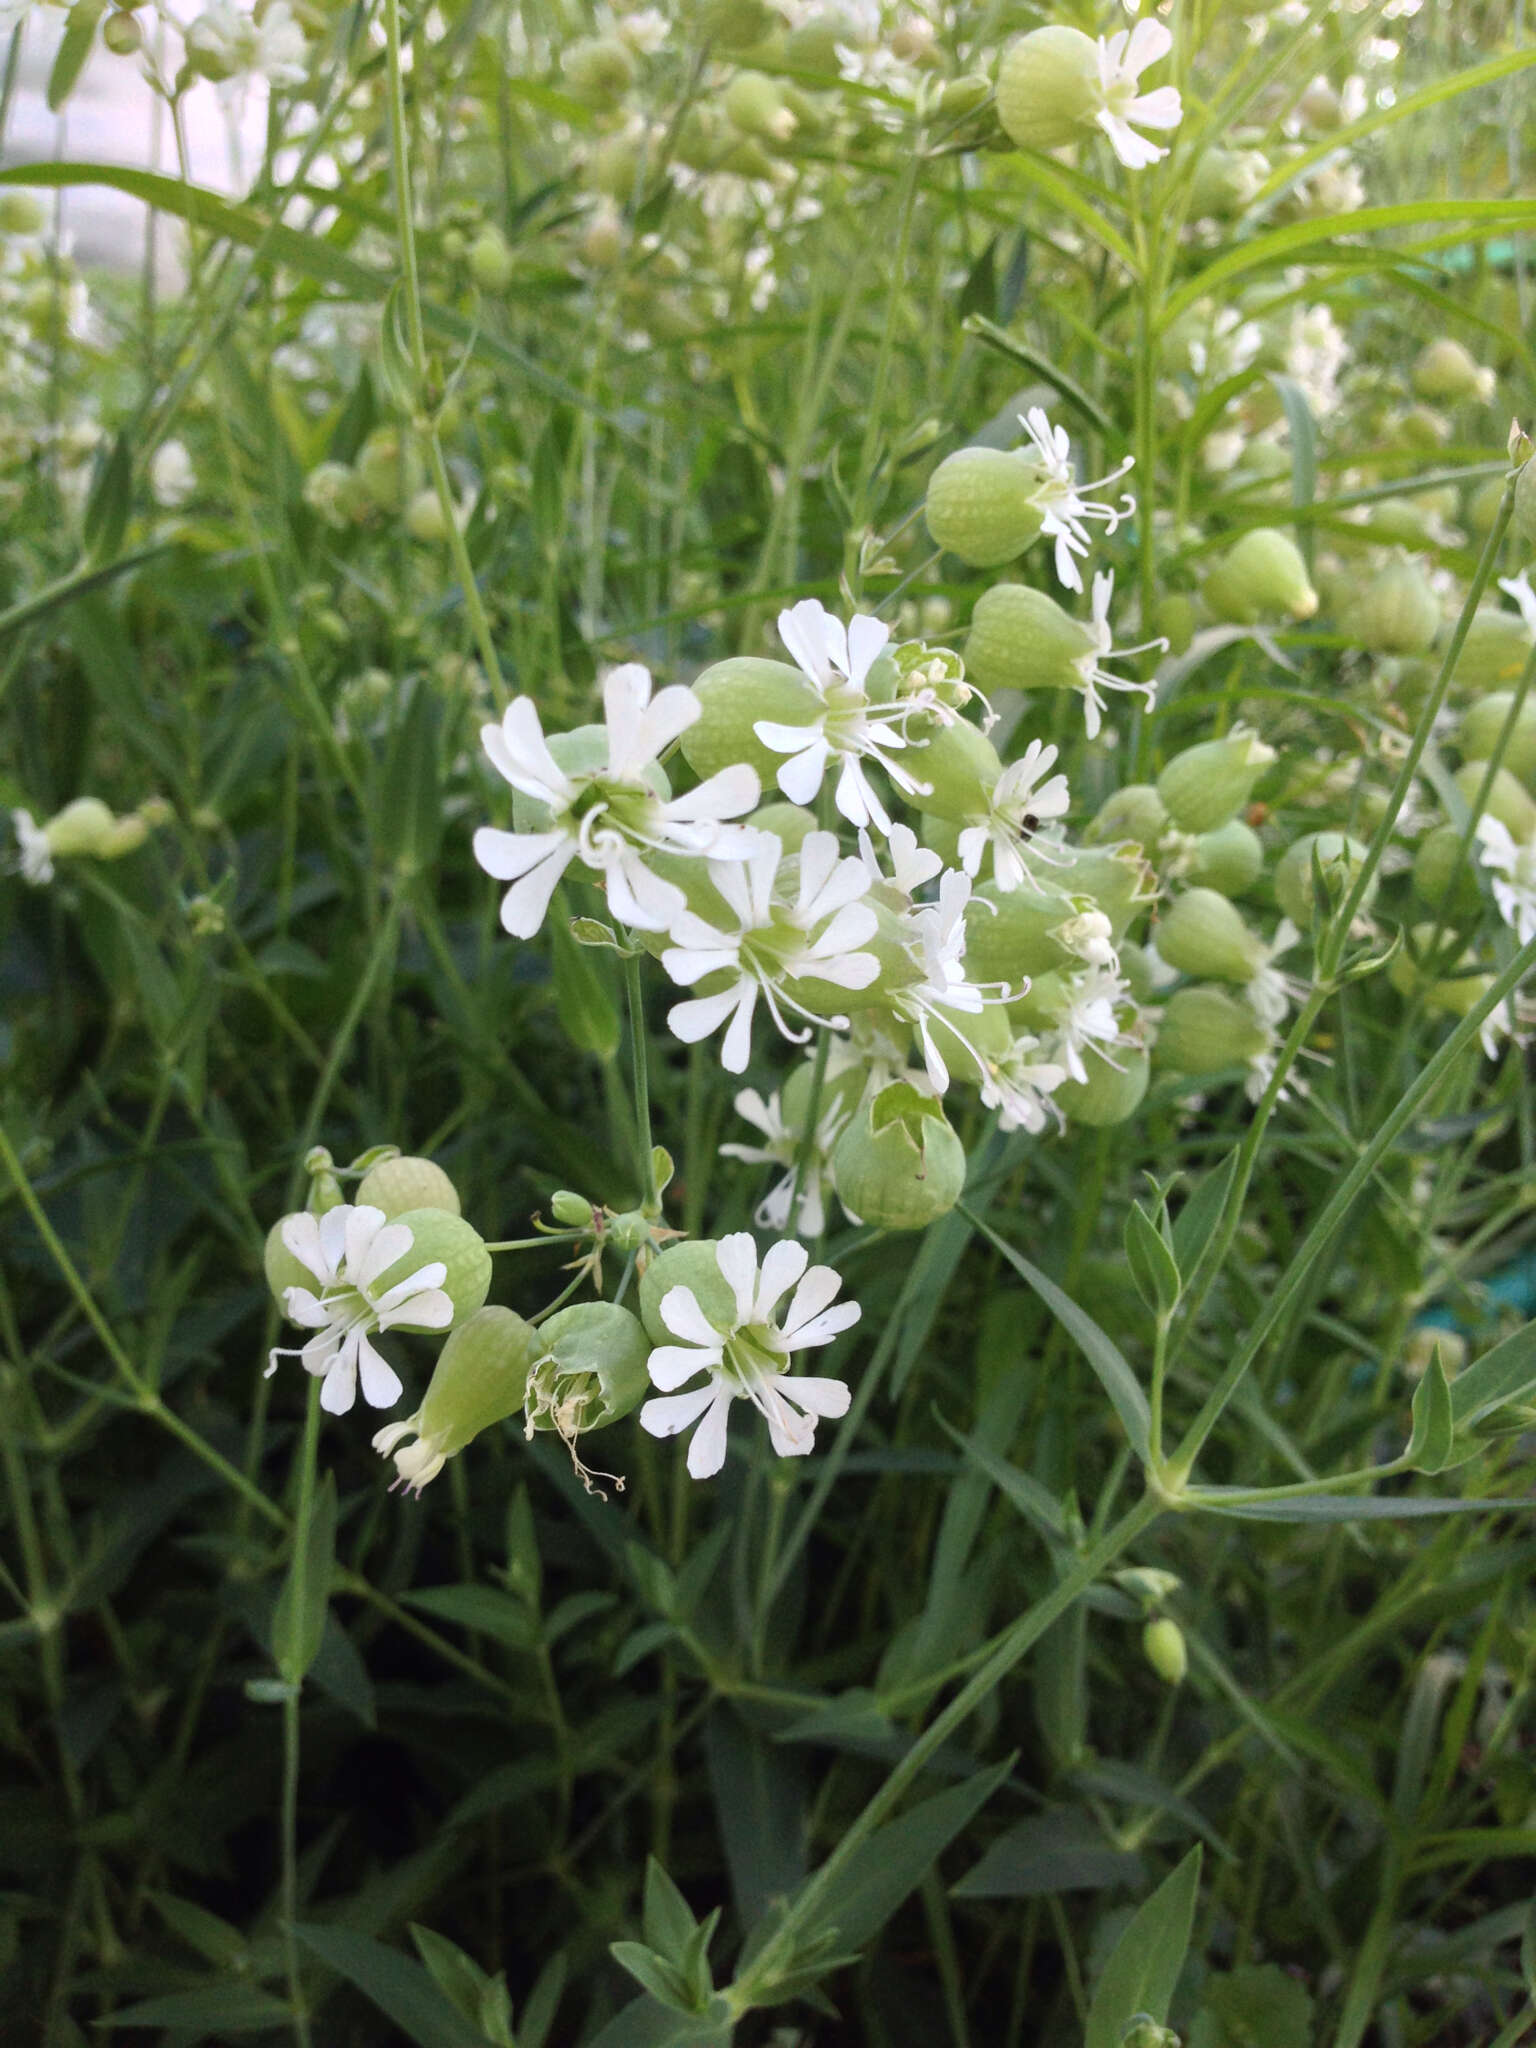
817 1396
728 794
1160 109
300 1234
339 1389
373 1249
850 927
432 1310
866 640
673 1415
626 692
823 1328
638 898
333 1235
792 1435
506 855
783 1263
526 904
820 1286
671 1364
381 1383
679 1309
516 750
433 1274
818 860
736 1256
1148 43
816 641
306 1309
686 965
706 1453
736 1047
667 718
694 1020
801 777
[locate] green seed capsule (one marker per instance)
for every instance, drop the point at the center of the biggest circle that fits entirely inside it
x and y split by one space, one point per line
491 263
1048 87
1262 576
958 766
1009 937
396 1185
590 1368
1497 647
1162 1641
1483 722
1508 800
1340 857
1204 1030
282 1269
1397 613
899 1164
733 695
788 823
1020 639
1445 880
693 1265
1445 373
480 1379
1112 1092
1230 859
598 70
1201 933
435 1234
980 505
1208 784
1136 814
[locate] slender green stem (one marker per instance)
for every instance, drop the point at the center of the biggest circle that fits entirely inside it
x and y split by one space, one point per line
641 1071
289 1822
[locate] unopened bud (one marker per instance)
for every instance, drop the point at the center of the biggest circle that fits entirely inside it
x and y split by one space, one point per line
1201 933
1398 613
1262 576
980 505
20 214
491 263
1021 639
756 106
1162 1641
1113 1091
122 35
1230 859
402 1183
1208 784
574 1211
1204 1030
1445 373
1340 859
1482 727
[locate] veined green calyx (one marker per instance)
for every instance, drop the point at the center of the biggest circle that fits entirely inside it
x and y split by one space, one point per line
899 1164
981 505
479 1380
1208 784
588 1370
1262 576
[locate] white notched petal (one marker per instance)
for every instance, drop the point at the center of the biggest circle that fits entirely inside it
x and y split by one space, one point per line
823 1328
819 1287
816 641
333 1237
301 1236
626 692
694 1020
306 1309
671 1364
432 1274
526 904
866 641
687 966
670 1417
736 1047
801 777
736 1256
679 1309
706 1451
848 928
667 717
517 751
817 1396
792 1435
1161 108
381 1383
783 1264
1144 45
430 1310
372 1250
643 901
508 855
727 794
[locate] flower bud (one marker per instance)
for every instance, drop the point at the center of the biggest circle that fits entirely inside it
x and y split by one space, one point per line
1142 2031
1208 784
1048 87
1482 724
20 214
574 1211
1261 576
736 25
438 1235
1201 933
1444 876
1422 1344
1174 619
1224 182
733 695
402 1183
980 505
1204 1030
898 1164
335 492
959 766
1113 1090
589 1369
126 836
1397 612
389 474
1020 639
1524 510
1508 800
1116 878
1445 373
1162 1641
82 827
1495 651
1230 859
480 1379
1340 857
1482 506
1135 813
122 35
756 105
491 262
598 70
425 519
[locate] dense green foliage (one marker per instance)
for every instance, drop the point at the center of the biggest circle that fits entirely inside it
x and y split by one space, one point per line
1160 1520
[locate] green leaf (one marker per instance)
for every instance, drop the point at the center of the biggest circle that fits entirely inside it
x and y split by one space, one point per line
1255 2006
1064 386
1330 1507
647 2024
1062 1850
223 2007
585 1000
1504 1374
1434 1420
398 1986
214 1939
896 1858
654 1973
299 1620
408 824
1303 438
542 2003
667 1918
1145 1963
1196 1222
759 1798
79 36
483 1609
479 1997
1153 1266
106 510
1114 1374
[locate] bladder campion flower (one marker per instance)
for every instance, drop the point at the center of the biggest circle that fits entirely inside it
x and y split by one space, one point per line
1060 500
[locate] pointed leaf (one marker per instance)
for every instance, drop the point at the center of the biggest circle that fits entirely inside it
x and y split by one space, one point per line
1152 1264
1434 1420
298 1624
396 1984
79 36
1145 1963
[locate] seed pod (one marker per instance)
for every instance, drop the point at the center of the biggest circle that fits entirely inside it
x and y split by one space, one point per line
491 263
1201 933
1340 857
1445 373
1230 859
980 505
693 1265
1224 182
122 35
402 1183
1482 506
82 827
616 165
1495 651
1508 799
1204 1030
757 106
390 475
959 766
1208 784
898 1165
1010 937
20 214
1162 1640
733 695
1483 722
1020 639
1112 1092
1262 576
425 519
1446 881
1397 613
589 1369
435 1234
737 24
1135 813
1174 619
598 70
1048 87
282 1269
480 1378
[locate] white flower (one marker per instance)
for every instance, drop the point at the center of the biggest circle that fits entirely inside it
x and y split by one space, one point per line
1016 809
1090 1019
1512 866
611 818
1519 588
1089 934
943 995
172 478
814 935
1317 352
850 730
34 854
1020 1087
1060 501
912 864
645 30
785 1143
349 1250
1270 991
1088 666
230 44
1122 59
750 1360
